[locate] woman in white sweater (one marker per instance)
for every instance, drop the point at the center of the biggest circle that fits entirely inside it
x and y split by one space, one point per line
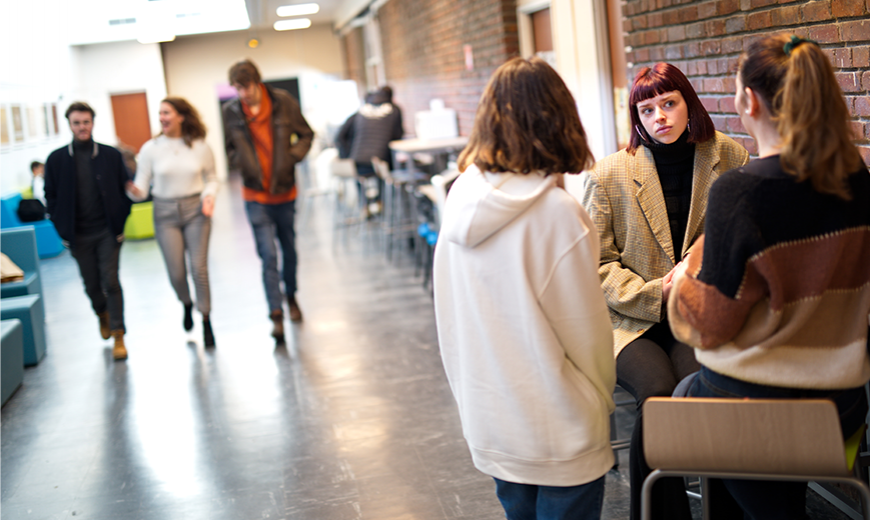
522 324
177 167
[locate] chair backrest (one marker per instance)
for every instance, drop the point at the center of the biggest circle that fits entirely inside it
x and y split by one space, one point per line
328 159
774 436
19 244
382 168
9 210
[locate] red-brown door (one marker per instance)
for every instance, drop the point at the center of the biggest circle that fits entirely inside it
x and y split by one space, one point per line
131 119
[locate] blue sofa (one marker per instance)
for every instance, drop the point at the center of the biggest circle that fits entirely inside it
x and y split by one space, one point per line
11 357
47 240
29 311
19 244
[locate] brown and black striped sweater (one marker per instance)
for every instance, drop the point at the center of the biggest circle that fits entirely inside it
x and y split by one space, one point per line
782 295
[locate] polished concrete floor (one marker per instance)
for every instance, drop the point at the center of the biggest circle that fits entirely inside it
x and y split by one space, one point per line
353 419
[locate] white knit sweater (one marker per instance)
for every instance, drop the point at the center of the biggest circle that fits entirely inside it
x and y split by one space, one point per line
176 170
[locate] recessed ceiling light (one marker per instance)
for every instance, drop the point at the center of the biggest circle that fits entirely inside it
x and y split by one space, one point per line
298 9
289 25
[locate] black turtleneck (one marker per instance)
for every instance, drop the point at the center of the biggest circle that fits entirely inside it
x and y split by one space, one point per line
90 212
675 166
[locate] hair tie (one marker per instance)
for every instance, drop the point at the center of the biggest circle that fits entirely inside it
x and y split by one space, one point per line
794 42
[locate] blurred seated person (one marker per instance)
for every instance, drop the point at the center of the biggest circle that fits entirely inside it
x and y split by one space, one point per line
37 183
368 133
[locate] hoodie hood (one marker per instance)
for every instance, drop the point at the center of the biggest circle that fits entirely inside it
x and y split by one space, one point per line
376 111
476 209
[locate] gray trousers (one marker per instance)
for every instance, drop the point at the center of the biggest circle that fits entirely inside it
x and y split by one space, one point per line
97 256
180 226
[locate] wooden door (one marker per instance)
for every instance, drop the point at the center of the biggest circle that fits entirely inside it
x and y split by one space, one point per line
132 125
543 30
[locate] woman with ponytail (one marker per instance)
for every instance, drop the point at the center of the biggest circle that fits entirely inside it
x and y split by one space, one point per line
777 304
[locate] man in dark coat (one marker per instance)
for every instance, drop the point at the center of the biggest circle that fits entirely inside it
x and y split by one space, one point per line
85 198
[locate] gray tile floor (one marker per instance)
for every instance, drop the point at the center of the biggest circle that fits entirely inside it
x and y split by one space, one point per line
353 419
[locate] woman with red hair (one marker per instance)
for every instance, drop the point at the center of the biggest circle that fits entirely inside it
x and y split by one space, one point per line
648 203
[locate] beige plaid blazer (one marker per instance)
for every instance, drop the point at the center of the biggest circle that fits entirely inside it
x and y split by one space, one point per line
624 198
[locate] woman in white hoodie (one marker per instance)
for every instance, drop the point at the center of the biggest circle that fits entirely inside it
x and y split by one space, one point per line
522 323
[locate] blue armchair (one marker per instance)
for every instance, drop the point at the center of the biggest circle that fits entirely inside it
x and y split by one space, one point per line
47 240
19 244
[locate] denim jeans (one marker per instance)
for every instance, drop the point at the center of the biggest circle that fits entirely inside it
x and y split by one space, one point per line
271 222
98 256
762 500
530 502
366 170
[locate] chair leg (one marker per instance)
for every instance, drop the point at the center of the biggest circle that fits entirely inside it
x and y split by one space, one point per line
705 498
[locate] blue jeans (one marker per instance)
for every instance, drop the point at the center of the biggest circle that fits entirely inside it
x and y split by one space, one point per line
367 170
762 500
530 502
271 222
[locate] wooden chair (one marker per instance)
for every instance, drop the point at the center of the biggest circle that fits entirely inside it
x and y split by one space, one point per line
752 439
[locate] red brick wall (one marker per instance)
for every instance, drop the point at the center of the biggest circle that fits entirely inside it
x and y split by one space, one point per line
354 57
423 51
704 39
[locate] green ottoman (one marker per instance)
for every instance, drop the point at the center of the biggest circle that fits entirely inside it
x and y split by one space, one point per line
140 223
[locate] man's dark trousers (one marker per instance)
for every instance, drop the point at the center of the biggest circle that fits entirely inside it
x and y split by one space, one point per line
98 256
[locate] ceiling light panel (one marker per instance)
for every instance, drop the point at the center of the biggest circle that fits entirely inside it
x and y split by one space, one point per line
298 9
289 25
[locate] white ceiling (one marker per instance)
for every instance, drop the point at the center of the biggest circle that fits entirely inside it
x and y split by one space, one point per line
263 12
99 21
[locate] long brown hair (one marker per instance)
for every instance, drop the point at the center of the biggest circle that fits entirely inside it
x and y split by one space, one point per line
192 127
796 82
527 121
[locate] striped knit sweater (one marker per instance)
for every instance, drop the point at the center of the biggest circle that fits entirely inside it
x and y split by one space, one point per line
782 294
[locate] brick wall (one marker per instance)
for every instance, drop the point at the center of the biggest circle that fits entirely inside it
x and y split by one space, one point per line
354 57
423 51
705 37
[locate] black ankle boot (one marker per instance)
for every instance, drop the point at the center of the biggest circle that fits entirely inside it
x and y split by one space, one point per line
207 334
188 316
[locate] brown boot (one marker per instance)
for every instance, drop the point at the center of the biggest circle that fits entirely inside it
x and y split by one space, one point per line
295 312
277 317
105 331
119 351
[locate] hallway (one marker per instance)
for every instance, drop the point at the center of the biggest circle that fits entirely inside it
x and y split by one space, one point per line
352 420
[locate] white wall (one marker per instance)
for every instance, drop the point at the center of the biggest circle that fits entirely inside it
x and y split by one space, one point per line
104 69
581 45
196 65
37 70
47 70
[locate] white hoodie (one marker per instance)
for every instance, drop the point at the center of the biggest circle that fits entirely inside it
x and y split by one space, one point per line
524 331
